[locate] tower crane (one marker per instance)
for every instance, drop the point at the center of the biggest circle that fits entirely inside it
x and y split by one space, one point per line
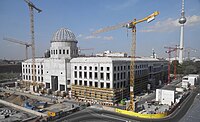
188 51
31 7
130 25
20 42
171 49
79 49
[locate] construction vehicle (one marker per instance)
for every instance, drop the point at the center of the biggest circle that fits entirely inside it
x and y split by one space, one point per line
19 42
31 7
171 49
130 25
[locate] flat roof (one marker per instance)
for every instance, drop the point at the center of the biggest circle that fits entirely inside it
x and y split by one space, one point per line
111 59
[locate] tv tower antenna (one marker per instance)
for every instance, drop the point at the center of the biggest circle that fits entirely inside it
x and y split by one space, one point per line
182 21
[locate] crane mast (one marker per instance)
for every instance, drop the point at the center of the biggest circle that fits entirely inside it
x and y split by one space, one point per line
130 25
172 49
19 42
31 7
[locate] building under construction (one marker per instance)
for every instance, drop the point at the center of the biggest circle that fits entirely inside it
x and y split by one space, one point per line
106 79
102 79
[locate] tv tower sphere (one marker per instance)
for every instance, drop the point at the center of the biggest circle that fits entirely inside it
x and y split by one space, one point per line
182 20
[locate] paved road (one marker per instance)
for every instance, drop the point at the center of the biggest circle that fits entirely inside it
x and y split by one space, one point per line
28 95
92 114
193 113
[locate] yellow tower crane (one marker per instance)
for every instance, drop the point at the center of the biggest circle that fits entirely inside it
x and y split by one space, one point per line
31 7
130 25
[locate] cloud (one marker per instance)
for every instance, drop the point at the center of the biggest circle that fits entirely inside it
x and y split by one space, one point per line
90 37
79 36
108 38
193 20
171 24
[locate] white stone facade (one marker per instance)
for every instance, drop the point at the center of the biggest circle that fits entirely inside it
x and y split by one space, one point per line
56 70
64 68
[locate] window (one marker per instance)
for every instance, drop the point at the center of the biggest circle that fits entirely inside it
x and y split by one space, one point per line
41 66
121 75
56 52
90 68
42 79
29 71
41 72
75 74
68 82
102 77
38 78
67 51
47 85
38 66
90 83
85 83
124 67
117 76
75 67
108 68
29 77
23 70
38 71
80 68
95 75
75 82
85 74
118 85
107 76
59 51
62 87
85 68
121 68
114 85
80 74
102 85
26 70
80 82
114 77
95 68
101 68
63 51
118 68
90 75
114 68
96 84
108 85
53 51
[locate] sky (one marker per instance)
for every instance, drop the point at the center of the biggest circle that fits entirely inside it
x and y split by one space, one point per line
83 17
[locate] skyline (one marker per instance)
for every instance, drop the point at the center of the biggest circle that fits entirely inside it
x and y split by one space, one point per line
84 17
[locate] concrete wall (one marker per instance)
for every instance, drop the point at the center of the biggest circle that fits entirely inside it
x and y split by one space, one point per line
165 96
22 108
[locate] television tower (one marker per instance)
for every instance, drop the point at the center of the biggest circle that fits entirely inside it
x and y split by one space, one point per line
182 20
